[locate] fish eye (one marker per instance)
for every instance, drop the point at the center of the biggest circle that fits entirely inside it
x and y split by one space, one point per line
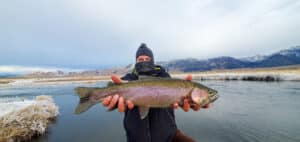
211 91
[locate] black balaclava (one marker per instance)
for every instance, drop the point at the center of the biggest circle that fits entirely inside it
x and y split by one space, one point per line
146 66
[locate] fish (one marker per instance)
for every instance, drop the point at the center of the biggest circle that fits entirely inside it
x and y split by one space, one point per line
148 92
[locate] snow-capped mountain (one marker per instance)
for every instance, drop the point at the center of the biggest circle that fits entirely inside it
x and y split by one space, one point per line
289 56
254 58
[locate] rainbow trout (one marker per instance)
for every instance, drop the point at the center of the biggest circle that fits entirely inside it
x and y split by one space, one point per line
148 92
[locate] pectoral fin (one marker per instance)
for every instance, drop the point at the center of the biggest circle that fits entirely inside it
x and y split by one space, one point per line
144 112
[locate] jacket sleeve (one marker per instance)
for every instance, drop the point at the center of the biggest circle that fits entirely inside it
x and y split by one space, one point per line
129 77
163 73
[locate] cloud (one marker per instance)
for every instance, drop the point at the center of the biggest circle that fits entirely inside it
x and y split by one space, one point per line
105 33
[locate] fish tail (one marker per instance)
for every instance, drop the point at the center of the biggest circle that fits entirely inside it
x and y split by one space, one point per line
84 102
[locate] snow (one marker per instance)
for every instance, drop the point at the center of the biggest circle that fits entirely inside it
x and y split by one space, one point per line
22 119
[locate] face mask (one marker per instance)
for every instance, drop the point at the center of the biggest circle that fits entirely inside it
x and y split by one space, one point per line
143 67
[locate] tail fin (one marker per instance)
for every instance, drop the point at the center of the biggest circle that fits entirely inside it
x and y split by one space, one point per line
84 103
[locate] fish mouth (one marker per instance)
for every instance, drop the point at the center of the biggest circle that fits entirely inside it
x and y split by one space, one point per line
214 97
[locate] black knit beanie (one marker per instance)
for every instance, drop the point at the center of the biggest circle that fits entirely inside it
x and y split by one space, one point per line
144 50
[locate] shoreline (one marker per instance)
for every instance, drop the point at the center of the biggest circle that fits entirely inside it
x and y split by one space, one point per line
285 73
289 73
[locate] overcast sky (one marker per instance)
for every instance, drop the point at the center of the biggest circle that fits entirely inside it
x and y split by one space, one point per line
91 33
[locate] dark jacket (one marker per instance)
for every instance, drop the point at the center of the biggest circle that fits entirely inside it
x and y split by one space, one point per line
158 126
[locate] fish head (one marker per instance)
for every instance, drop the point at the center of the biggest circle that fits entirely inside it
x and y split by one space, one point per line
203 96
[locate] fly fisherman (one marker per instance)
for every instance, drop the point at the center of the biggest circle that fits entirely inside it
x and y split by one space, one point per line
159 125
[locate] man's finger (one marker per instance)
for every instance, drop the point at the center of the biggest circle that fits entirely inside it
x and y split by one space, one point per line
121 104
106 101
207 106
116 79
195 107
130 104
189 77
113 102
186 105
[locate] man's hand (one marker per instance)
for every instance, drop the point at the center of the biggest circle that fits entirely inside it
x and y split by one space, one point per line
186 104
116 101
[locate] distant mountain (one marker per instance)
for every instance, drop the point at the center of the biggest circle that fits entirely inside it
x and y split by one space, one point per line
187 65
284 57
254 58
96 72
5 75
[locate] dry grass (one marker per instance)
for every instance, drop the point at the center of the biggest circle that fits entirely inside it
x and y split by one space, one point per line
28 122
277 73
295 69
4 81
287 73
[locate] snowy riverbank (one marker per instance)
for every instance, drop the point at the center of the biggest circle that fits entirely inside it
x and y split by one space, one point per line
22 119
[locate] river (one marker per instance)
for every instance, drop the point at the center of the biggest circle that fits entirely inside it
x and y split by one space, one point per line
245 112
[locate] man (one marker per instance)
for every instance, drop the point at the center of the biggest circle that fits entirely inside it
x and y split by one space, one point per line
159 125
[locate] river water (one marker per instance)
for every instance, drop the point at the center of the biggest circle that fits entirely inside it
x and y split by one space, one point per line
245 112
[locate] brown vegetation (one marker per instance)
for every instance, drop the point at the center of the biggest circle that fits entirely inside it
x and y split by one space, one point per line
28 122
